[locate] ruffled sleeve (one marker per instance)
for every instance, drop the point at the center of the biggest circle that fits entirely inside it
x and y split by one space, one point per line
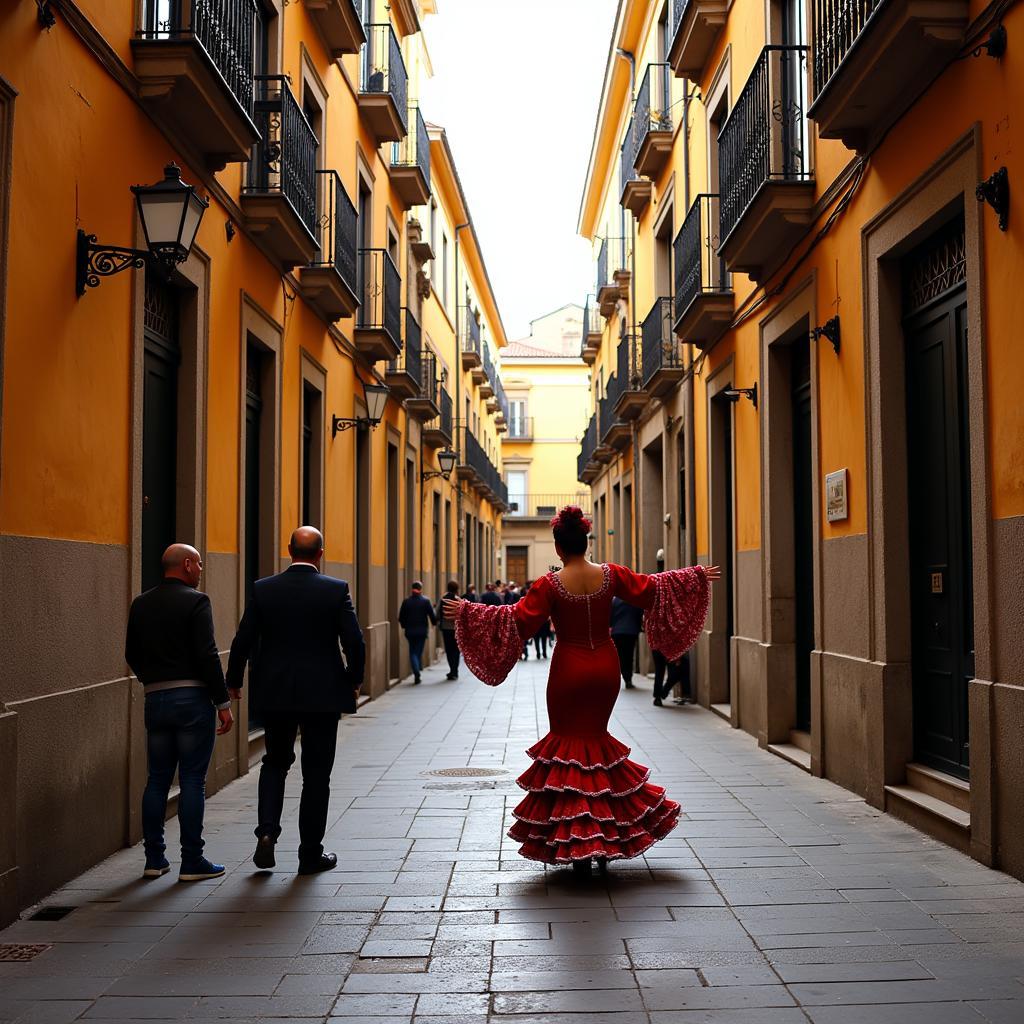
675 617
490 637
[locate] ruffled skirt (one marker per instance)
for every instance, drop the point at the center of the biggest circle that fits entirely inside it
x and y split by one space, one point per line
585 798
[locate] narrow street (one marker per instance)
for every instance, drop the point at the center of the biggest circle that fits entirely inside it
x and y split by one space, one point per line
781 898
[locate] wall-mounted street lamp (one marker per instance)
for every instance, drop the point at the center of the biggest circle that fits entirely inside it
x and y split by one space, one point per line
446 459
829 329
733 394
170 211
376 398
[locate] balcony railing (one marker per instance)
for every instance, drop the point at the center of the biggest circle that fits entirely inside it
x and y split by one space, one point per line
384 69
411 360
503 410
520 428
699 268
627 172
611 260
338 222
652 120
488 364
410 157
693 28
470 341
662 356
381 294
546 506
224 28
438 431
284 160
627 364
765 138
837 26
429 378
588 443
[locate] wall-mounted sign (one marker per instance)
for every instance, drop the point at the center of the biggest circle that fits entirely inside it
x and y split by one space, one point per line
835 496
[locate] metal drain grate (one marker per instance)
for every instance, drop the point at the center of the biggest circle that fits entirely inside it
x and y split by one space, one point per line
51 913
467 773
19 952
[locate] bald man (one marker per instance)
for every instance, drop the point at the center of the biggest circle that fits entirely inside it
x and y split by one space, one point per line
171 647
292 635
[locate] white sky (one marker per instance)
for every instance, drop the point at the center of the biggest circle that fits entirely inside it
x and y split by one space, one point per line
517 86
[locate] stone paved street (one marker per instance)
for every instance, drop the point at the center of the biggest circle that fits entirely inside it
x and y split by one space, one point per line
781 898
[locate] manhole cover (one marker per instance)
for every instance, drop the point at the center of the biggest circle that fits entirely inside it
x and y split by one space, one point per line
467 773
469 787
20 951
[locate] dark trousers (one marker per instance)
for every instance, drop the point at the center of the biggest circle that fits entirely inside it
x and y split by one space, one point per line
179 735
319 741
416 644
451 650
625 644
540 645
667 677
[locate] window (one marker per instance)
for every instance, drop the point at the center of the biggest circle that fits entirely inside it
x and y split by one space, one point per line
517 491
444 271
433 226
517 412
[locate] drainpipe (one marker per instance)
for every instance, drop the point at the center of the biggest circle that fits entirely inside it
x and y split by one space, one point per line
458 409
689 556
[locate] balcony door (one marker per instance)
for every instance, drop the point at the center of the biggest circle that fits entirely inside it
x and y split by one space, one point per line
517 414
793 68
803 528
364 233
517 491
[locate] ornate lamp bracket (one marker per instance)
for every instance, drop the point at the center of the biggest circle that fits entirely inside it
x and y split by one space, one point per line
96 261
995 190
829 329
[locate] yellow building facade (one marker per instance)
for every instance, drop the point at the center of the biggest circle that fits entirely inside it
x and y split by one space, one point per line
548 392
221 404
801 340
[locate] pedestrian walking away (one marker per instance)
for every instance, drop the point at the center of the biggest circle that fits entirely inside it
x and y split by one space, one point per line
470 594
415 617
585 799
292 635
490 595
627 624
668 675
171 648
451 645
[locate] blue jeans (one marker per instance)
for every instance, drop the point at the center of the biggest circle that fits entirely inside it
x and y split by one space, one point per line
180 732
416 644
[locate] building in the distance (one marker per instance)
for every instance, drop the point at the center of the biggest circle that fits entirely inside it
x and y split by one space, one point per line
548 392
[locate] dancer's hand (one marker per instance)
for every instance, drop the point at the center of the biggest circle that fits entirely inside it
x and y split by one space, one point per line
450 606
712 572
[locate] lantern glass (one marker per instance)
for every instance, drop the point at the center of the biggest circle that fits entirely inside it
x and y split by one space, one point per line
170 212
376 396
446 460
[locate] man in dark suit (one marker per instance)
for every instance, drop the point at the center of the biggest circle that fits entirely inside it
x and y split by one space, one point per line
414 617
171 648
290 634
627 624
490 595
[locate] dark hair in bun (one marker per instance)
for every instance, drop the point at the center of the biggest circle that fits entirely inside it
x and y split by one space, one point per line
570 528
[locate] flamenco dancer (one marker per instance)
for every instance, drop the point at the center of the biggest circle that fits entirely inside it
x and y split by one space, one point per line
585 800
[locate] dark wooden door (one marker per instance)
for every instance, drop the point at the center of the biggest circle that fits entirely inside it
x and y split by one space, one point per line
518 563
803 531
161 359
942 627
729 574
253 415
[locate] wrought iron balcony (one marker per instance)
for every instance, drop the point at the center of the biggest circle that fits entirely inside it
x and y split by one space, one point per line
378 329
502 415
194 63
469 343
340 25
546 506
871 59
629 373
280 193
426 405
410 162
590 342
586 465
473 461
634 192
693 28
405 374
438 432
487 384
329 282
520 428
613 431
384 85
662 358
765 174
613 273
652 121
704 298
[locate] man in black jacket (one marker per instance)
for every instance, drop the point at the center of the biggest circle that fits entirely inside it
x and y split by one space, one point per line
627 624
171 648
490 595
290 635
414 615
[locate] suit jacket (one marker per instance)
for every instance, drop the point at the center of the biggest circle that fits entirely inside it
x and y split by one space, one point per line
290 635
490 597
415 614
170 636
627 619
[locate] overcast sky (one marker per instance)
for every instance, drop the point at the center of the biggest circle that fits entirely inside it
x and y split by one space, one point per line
516 86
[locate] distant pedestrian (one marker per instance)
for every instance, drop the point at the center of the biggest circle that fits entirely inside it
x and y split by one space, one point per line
490 595
171 648
512 593
451 645
668 675
292 634
414 615
470 594
627 624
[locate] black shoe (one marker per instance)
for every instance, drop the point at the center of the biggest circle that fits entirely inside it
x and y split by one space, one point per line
416 681
602 865
657 702
630 686
263 858
581 868
325 862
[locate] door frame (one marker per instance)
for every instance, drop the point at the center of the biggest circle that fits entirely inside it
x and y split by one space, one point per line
894 231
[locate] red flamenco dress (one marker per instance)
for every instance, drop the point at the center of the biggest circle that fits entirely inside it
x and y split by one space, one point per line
584 797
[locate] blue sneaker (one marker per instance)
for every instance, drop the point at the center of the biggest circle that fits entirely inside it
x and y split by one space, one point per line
200 871
155 867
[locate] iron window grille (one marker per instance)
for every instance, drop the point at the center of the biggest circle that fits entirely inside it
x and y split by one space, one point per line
337 235
698 267
384 69
652 111
224 28
661 348
765 138
381 305
284 160
414 149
